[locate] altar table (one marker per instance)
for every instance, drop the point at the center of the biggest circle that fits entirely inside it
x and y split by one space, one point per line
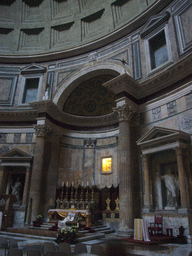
63 213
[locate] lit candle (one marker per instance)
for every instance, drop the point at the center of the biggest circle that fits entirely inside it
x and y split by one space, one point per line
62 184
82 184
87 183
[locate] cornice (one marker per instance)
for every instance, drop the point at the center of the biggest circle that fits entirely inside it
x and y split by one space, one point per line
20 115
50 110
169 79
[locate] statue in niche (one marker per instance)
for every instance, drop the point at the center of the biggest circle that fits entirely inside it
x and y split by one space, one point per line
16 190
172 186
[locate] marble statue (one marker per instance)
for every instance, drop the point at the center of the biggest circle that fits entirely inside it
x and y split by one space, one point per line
172 186
16 190
70 217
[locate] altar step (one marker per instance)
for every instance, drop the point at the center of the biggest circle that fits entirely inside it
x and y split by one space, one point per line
43 232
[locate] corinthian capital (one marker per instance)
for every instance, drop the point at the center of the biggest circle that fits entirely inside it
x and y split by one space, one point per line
125 112
42 130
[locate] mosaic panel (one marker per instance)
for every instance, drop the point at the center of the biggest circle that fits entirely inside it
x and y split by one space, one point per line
156 113
17 137
90 98
171 108
29 137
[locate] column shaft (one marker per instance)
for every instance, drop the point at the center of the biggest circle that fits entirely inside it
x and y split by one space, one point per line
35 192
146 182
26 187
182 178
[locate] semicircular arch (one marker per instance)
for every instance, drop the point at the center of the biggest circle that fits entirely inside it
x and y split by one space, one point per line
78 77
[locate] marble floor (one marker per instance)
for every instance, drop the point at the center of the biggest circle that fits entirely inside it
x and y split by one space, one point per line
26 243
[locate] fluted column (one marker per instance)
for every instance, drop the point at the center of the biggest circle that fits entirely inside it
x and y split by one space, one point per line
26 187
36 176
182 178
146 181
125 172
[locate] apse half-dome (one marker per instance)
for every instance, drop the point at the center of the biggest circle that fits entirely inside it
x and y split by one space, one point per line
91 98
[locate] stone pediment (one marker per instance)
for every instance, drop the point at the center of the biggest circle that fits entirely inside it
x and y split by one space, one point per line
15 154
154 22
33 68
160 138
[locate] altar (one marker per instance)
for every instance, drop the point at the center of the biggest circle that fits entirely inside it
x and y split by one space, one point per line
63 213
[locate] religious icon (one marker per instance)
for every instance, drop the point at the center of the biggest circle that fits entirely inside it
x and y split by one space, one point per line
106 164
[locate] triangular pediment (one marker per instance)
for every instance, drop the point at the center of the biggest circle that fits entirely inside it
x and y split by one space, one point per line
154 22
33 68
15 153
161 134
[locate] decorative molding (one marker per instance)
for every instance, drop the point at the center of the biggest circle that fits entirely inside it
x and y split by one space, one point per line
92 23
60 9
156 112
154 22
6 2
42 130
3 138
183 21
21 115
125 113
61 34
4 149
186 122
33 3
29 138
5 37
17 138
31 39
58 115
171 108
32 10
117 10
82 4
90 143
7 89
136 60
33 69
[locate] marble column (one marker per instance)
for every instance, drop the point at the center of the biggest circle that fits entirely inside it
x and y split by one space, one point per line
26 187
89 162
147 203
36 176
2 181
52 153
182 178
125 172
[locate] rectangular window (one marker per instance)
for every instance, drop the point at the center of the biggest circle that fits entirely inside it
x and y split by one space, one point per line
31 90
158 50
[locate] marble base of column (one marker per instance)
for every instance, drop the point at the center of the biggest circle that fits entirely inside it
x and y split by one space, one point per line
147 210
125 230
184 211
125 233
170 208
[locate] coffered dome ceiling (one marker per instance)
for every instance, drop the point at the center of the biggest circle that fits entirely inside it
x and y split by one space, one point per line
36 27
90 98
